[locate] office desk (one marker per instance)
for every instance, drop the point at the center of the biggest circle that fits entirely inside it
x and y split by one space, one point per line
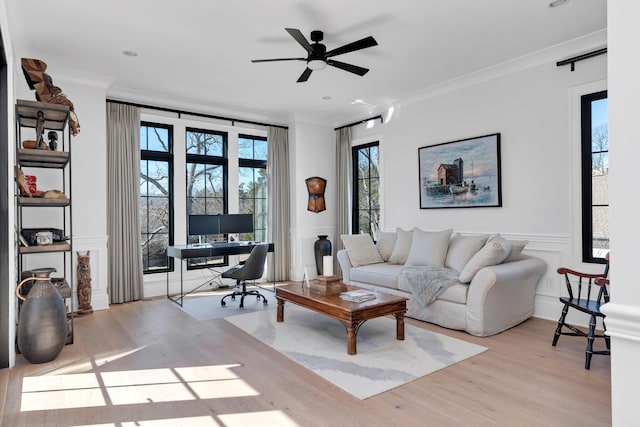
204 250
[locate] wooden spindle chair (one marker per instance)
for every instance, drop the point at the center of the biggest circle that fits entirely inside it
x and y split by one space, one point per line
580 287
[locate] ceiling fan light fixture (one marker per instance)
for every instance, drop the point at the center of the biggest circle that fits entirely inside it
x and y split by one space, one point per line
316 64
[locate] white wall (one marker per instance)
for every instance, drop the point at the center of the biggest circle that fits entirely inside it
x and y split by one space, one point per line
312 154
623 313
531 103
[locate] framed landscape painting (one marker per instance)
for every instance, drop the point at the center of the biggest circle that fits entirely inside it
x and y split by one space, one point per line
461 174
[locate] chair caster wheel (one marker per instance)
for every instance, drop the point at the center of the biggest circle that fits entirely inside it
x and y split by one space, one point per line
264 302
223 303
233 298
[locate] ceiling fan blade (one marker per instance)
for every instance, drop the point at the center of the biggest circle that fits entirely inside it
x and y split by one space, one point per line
278 59
296 34
304 76
357 45
348 67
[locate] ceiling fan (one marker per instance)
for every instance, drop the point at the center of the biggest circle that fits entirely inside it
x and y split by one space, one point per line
318 57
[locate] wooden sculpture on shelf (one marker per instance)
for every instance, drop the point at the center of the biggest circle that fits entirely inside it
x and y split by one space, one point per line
46 91
316 186
83 272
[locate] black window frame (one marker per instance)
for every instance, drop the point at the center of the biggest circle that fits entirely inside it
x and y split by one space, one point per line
169 158
196 264
254 164
355 205
587 175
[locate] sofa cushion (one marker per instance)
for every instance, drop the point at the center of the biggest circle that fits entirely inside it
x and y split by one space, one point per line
428 248
385 241
401 247
461 249
492 253
383 274
361 249
517 246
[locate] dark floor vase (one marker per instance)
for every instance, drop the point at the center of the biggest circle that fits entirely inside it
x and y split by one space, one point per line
321 247
42 325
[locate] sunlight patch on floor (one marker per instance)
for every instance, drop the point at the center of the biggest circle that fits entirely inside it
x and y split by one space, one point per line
67 391
252 419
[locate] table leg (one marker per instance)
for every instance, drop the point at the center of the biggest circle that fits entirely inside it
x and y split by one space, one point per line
399 325
352 332
280 315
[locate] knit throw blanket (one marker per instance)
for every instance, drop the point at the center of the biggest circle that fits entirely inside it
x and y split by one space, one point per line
426 283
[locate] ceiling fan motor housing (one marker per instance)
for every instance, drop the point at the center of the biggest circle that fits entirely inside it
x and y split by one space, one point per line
316 36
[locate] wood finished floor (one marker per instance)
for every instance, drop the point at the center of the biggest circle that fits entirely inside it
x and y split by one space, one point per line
521 380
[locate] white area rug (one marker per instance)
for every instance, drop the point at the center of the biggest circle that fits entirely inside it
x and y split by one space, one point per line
319 343
206 305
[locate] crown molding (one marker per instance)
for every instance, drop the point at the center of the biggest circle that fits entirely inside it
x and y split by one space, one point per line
548 55
153 99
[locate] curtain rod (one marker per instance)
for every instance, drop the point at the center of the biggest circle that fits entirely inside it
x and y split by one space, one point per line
208 116
379 116
577 58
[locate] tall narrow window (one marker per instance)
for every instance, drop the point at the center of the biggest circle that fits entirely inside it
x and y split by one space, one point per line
252 186
156 196
206 181
595 177
366 184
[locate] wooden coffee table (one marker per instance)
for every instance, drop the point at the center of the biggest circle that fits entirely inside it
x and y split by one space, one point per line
351 314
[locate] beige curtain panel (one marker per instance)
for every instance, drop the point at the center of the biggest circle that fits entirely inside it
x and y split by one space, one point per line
123 198
278 203
343 183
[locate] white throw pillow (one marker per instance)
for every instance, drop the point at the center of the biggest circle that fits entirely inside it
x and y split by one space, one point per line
517 246
361 249
402 246
429 248
462 248
493 252
385 241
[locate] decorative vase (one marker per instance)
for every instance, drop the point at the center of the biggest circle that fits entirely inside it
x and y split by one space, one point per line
42 325
321 247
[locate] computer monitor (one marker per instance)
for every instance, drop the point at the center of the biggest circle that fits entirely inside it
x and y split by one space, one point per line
202 225
236 223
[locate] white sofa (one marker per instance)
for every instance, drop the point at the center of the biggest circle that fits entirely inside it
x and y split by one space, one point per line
494 291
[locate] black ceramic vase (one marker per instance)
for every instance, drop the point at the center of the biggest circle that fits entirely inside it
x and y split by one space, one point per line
321 247
42 325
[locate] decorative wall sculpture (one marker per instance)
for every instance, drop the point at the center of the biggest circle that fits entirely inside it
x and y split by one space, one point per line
316 186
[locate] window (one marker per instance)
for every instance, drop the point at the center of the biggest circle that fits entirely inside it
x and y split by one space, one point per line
595 173
366 184
206 182
252 184
156 196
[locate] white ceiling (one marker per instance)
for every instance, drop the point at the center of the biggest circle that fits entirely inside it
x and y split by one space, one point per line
200 50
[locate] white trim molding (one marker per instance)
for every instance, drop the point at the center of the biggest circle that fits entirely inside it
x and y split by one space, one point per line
623 321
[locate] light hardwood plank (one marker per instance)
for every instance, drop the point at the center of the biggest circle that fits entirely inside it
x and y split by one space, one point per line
520 380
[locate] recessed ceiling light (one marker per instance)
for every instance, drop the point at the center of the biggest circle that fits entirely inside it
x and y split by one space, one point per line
558 3
130 53
357 101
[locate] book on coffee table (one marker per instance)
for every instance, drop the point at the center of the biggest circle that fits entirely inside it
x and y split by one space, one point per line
358 296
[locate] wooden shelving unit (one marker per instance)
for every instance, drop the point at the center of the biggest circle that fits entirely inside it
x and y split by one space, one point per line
56 118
